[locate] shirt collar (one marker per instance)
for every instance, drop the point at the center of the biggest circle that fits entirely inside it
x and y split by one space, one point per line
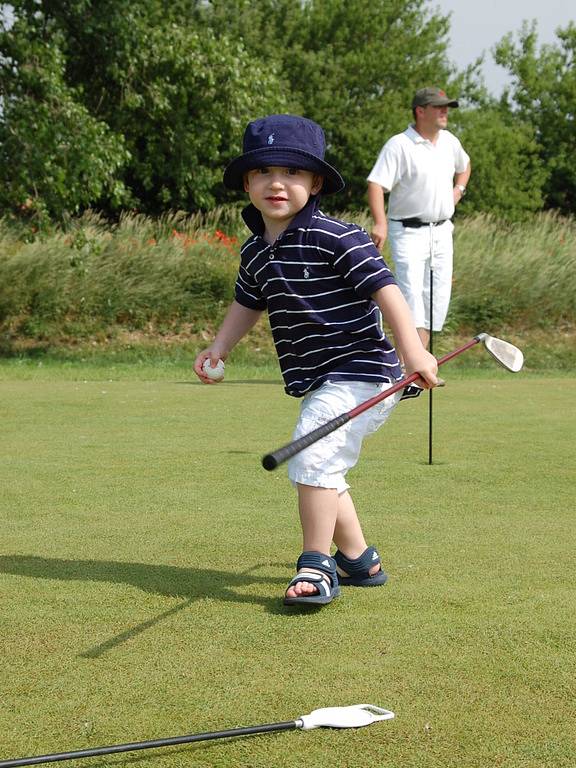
413 134
255 223
416 137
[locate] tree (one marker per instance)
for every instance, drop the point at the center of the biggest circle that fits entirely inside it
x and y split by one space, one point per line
508 176
543 95
170 100
142 103
55 157
351 65
186 98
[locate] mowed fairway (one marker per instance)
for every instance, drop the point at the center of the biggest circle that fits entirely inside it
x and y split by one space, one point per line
145 552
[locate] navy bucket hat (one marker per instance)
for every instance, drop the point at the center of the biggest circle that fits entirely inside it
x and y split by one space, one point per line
286 141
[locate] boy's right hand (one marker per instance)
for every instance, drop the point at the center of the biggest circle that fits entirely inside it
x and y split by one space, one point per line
208 354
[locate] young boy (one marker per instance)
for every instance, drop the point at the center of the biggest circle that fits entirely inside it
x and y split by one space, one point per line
322 282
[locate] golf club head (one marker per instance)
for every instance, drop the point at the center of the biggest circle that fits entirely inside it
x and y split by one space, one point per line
509 356
354 716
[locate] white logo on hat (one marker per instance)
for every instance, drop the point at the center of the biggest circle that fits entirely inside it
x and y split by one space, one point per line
271 139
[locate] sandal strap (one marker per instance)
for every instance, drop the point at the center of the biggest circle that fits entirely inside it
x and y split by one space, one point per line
320 562
359 566
320 581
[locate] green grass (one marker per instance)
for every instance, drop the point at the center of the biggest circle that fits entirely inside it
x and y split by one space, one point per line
145 552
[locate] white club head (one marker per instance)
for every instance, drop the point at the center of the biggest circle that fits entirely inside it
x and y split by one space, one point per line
503 352
354 716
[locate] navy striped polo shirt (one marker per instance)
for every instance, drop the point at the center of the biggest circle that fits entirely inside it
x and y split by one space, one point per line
316 281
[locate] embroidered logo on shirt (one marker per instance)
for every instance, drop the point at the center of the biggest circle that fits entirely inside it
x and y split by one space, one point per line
271 139
306 273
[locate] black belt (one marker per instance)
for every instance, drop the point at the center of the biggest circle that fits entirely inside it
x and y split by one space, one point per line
417 223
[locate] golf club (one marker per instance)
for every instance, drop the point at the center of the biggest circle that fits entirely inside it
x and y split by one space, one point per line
355 716
509 356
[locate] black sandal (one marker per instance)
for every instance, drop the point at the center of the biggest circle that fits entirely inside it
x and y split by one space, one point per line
358 570
326 582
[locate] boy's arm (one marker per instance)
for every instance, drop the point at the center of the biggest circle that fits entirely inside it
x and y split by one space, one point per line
398 317
238 321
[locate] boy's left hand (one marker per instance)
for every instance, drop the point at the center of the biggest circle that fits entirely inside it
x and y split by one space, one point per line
424 364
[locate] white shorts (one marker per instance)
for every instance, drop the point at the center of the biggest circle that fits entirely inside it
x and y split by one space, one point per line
325 463
411 250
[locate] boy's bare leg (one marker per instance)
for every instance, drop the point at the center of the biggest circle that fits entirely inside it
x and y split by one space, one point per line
327 516
348 535
318 509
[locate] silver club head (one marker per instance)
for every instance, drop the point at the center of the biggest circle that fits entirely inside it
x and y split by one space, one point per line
503 352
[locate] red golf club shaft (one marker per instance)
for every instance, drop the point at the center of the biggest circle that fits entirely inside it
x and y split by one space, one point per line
271 460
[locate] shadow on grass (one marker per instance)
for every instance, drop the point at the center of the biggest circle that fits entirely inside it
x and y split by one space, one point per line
192 584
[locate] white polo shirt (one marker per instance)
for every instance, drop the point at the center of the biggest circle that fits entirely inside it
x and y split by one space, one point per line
419 174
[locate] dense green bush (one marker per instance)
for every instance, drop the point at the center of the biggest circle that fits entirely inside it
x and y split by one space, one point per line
507 174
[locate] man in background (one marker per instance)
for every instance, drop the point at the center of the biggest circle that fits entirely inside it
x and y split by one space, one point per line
425 169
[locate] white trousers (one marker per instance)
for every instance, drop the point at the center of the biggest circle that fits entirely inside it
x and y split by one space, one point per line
415 251
325 463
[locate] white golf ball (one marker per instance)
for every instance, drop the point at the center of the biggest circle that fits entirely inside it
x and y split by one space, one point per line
216 373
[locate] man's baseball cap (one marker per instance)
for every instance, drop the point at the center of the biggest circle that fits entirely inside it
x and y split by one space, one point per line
433 96
286 141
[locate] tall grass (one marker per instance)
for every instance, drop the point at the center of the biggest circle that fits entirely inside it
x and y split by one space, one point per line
95 281
93 278
521 276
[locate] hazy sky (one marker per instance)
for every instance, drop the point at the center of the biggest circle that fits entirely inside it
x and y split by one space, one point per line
477 25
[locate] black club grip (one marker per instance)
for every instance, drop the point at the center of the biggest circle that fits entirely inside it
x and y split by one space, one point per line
271 460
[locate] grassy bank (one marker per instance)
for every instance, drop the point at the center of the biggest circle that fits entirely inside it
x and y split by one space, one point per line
146 289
